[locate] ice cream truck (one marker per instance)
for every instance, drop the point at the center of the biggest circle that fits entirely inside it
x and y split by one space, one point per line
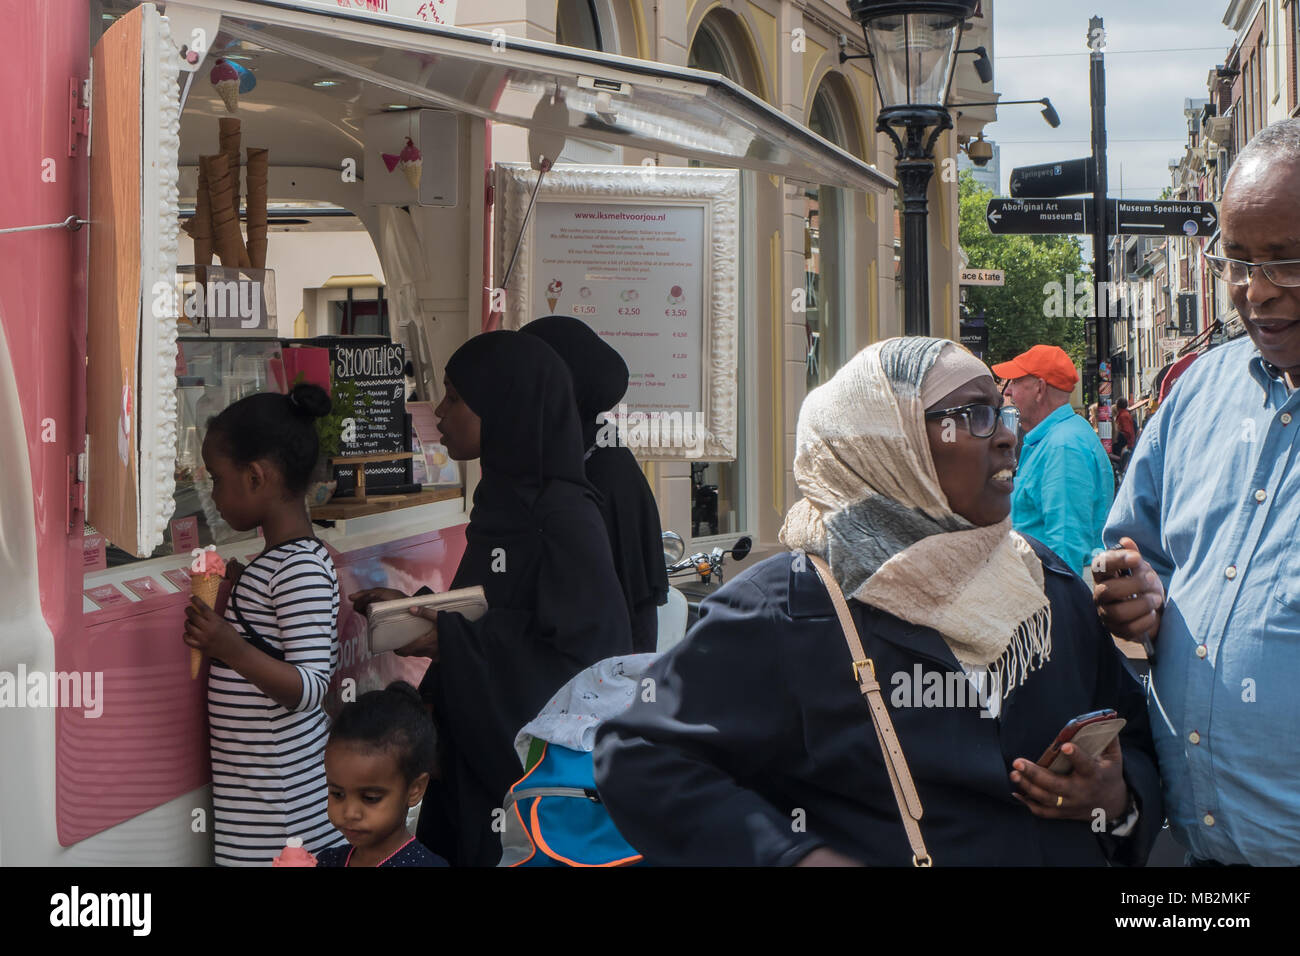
141 235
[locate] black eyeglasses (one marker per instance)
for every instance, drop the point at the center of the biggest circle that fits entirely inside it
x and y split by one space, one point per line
981 420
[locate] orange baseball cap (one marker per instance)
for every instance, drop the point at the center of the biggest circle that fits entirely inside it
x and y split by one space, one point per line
1047 362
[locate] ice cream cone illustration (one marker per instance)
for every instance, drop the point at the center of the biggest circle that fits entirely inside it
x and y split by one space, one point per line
554 289
411 163
226 79
206 574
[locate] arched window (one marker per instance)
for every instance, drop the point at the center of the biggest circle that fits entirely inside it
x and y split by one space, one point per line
589 25
719 489
577 23
723 45
827 221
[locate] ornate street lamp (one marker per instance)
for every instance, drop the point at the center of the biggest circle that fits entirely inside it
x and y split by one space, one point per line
912 45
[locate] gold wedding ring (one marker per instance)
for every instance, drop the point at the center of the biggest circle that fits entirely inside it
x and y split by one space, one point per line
1059 799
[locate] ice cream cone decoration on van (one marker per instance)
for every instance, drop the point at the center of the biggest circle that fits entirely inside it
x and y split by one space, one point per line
409 161
226 79
554 290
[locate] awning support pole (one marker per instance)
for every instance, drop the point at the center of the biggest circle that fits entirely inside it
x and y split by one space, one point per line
519 240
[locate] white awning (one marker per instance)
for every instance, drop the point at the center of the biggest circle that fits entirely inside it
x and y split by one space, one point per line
611 99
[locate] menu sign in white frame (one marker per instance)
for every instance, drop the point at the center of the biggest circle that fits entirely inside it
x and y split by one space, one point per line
648 257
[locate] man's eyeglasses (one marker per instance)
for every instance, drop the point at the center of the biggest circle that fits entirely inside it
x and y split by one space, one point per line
1284 273
981 420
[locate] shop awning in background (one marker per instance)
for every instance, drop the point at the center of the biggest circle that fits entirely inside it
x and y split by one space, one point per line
610 99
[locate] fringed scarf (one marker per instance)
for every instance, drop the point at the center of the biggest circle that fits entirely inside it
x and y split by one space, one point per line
873 509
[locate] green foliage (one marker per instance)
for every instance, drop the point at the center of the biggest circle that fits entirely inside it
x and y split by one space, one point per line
1016 311
343 404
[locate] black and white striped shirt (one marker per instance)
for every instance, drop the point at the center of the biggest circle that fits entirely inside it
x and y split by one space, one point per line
268 772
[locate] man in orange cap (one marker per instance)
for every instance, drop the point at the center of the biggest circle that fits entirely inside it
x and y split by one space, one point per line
1064 483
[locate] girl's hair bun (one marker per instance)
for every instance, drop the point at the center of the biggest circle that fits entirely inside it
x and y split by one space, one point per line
407 692
392 719
310 400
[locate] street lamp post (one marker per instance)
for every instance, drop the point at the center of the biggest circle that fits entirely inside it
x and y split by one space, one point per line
912 45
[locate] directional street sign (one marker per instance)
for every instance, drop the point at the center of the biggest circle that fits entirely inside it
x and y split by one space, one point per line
1163 218
1127 217
1039 216
1050 180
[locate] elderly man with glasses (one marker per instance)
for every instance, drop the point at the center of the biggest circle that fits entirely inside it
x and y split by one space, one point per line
1064 482
1205 531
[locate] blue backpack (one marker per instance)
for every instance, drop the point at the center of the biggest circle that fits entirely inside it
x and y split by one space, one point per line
555 817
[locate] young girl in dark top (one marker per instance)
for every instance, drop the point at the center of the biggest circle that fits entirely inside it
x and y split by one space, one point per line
377 765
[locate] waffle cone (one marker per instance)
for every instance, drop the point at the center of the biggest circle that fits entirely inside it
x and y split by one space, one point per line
225 227
205 587
201 226
229 138
229 90
412 172
258 162
550 302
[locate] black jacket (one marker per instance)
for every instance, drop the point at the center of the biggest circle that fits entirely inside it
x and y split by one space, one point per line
758 746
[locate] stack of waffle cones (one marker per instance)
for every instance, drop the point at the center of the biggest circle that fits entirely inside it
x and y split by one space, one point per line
215 224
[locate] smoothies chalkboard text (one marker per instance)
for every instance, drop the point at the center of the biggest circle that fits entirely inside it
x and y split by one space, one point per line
375 366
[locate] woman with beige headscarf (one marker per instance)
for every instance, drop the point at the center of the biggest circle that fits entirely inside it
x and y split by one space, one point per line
758 745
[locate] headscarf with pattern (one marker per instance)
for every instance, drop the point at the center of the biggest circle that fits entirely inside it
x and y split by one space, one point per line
873 508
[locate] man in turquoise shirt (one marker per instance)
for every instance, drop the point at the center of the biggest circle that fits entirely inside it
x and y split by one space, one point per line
1064 483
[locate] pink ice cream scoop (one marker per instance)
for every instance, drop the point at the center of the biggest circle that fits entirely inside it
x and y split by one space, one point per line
294 854
209 562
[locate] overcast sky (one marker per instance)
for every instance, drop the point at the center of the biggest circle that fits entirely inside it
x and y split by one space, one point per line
1144 90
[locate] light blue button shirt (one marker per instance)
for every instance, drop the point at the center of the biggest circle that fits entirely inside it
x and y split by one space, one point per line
1064 487
1212 498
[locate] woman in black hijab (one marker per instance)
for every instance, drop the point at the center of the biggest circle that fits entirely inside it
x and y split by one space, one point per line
537 545
600 379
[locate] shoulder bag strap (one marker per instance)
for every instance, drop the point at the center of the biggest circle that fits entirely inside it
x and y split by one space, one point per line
864 672
254 638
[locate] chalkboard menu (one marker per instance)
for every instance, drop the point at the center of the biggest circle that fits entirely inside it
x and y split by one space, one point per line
375 366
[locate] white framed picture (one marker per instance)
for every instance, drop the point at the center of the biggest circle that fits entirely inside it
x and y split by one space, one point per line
648 257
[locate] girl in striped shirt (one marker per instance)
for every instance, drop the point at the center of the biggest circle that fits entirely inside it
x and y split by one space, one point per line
276 647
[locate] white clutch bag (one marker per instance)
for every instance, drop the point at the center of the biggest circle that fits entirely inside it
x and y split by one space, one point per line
391 624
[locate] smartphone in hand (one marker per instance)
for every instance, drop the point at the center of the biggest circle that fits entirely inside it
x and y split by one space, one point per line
1091 733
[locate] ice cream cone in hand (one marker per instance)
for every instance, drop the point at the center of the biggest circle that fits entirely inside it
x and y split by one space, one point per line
294 854
206 575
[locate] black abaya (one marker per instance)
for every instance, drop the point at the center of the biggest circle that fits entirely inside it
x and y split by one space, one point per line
600 378
537 545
